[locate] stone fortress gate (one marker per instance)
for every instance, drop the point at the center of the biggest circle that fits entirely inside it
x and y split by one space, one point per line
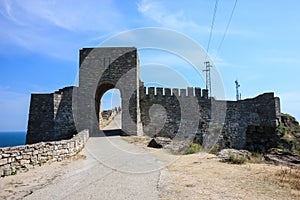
175 113
61 114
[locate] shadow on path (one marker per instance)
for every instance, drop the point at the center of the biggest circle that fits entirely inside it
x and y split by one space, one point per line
106 133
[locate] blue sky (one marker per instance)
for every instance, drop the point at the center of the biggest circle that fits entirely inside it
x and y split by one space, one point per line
40 41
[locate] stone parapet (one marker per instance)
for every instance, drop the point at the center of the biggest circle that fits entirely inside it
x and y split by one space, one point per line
179 92
21 158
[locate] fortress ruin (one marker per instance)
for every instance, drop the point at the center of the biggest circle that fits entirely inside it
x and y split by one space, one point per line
176 113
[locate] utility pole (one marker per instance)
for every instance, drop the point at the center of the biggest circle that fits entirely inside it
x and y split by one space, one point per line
238 95
208 79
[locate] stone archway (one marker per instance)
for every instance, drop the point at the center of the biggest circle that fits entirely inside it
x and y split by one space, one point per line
102 69
98 96
100 93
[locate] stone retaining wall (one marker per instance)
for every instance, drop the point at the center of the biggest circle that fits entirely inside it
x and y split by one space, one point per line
22 158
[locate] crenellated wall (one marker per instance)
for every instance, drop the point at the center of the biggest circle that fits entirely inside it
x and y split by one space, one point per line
178 113
189 113
172 112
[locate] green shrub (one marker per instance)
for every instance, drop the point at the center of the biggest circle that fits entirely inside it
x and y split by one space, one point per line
297 152
215 151
31 163
256 154
281 129
236 159
194 148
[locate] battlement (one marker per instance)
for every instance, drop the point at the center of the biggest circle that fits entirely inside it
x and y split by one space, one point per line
178 92
65 89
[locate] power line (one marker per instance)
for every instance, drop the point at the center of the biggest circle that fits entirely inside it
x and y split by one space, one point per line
206 63
212 26
227 26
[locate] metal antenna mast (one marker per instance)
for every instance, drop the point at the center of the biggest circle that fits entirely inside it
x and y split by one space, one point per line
208 79
238 95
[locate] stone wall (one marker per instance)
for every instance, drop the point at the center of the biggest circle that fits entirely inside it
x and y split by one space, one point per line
18 158
172 112
190 114
187 114
251 123
51 116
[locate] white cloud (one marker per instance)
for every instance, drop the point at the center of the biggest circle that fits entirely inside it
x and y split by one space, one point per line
67 14
219 61
156 11
159 12
56 27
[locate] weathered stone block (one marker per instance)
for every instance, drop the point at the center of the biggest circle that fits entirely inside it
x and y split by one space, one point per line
35 152
33 158
27 156
3 161
22 162
19 157
5 155
11 159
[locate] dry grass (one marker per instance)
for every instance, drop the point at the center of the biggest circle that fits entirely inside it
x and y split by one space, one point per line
193 177
257 158
289 177
196 176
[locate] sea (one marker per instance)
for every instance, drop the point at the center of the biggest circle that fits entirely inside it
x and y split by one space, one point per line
9 139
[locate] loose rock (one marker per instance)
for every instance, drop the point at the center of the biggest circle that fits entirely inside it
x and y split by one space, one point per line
225 154
277 156
159 142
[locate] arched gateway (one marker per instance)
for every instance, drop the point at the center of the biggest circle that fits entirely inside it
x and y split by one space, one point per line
61 114
102 69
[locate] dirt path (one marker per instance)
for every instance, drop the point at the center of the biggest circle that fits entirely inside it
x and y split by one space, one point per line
114 124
